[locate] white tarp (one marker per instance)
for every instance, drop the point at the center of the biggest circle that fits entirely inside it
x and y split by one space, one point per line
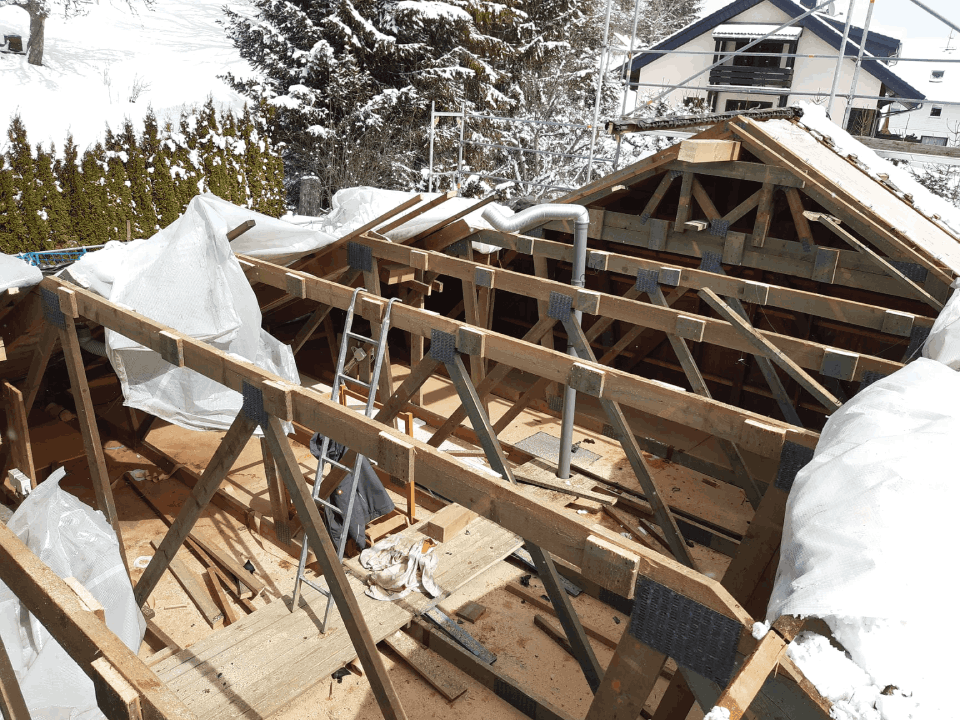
866 525
354 207
74 541
15 273
186 276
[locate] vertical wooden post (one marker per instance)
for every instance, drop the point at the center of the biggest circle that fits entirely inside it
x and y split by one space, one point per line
540 269
684 208
12 704
764 215
65 316
18 433
279 499
321 544
371 280
628 681
416 339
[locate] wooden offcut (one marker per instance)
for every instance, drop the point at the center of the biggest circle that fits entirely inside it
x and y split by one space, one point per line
708 151
448 523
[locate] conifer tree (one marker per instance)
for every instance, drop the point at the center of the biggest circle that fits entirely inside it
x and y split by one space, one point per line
164 188
70 182
22 165
92 223
13 234
144 215
52 201
119 205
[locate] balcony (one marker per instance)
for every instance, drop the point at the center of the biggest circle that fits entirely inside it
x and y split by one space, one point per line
751 76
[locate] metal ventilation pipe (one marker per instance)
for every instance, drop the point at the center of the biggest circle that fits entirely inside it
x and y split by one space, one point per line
530 218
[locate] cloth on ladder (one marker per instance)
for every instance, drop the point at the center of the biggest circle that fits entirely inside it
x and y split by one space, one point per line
372 500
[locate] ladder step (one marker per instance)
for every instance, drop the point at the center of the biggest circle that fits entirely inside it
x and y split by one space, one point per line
321 590
355 381
362 338
334 508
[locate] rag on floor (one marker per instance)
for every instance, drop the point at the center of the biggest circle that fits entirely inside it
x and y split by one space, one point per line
400 565
372 500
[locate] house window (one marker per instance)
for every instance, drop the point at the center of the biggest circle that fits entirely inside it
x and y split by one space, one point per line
936 111
738 105
933 140
936 76
748 59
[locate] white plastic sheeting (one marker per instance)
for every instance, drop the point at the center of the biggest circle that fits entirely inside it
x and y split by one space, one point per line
866 524
74 541
186 276
354 207
15 273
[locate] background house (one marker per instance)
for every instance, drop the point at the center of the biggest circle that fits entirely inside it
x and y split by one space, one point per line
933 123
770 81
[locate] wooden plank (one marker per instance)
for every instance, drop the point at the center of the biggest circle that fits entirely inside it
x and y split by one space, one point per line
755 172
628 681
279 499
625 178
708 151
48 339
743 208
88 601
795 202
310 326
18 433
116 698
704 201
650 209
192 585
553 632
416 212
527 701
428 665
320 541
86 416
545 605
226 607
764 347
221 462
908 284
684 208
447 523
82 635
12 704
764 215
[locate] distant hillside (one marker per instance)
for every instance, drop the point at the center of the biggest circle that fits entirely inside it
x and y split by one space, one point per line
110 64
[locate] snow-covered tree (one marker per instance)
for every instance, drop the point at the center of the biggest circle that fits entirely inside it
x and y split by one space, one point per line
40 10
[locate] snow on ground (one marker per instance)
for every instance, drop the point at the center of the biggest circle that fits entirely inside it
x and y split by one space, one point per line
92 65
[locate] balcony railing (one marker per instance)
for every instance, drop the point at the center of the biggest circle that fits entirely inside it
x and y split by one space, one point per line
751 76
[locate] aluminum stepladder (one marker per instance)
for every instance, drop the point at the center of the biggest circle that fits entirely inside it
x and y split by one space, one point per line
353 473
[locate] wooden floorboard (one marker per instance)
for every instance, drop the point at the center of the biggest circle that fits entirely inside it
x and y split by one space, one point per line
254 667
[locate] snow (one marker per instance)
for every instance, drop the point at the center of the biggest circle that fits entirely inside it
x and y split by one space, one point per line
815 119
749 30
94 65
717 713
760 629
434 10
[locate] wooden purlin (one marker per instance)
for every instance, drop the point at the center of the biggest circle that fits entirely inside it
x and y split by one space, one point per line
753 432
804 353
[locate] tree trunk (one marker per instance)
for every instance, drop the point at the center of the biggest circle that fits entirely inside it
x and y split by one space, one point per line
35 50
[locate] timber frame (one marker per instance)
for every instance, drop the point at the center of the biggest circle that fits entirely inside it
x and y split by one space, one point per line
844 297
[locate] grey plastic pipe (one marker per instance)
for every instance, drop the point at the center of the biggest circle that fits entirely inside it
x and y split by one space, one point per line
530 218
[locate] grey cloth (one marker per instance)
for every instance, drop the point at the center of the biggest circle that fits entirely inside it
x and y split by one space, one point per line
372 501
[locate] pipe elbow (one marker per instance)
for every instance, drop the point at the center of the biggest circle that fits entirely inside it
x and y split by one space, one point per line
536 215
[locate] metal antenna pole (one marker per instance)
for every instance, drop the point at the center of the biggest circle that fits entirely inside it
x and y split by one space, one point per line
604 51
433 120
463 127
856 70
629 63
840 56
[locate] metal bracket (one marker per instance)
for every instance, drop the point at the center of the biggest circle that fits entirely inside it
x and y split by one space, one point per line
359 257
647 280
560 306
51 308
696 637
253 404
719 227
459 248
869 378
918 337
710 262
443 346
912 271
793 458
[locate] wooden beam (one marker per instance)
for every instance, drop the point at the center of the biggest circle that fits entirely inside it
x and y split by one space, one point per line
18 433
628 681
416 212
708 151
309 327
755 172
333 572
527 701
650 209
804 233
38 365
85 414
82 635
12 704
538 602
715 332
194 588
684 208
911 287
427 665
764 347
212 578
743 208
704 201
218 467
279 499
622 387
450 220
764 215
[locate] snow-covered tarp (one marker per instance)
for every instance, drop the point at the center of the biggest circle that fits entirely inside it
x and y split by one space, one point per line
74 541
354 207
187 277
867 523
15 273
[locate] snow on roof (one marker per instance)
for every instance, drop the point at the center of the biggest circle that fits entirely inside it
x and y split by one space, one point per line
931 223
756 30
